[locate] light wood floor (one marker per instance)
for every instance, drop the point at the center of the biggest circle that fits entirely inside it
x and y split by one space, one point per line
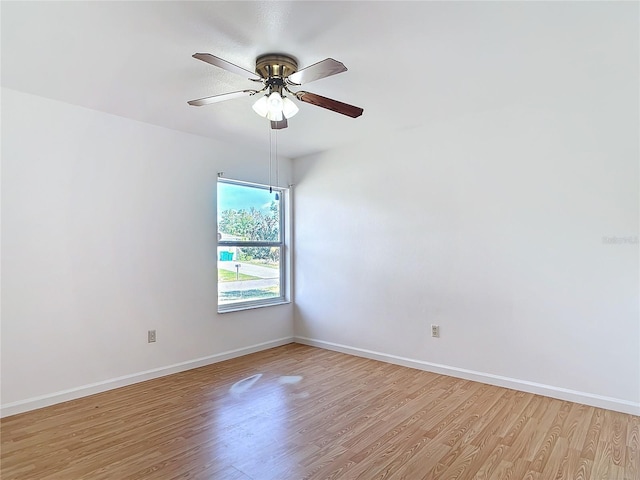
297 412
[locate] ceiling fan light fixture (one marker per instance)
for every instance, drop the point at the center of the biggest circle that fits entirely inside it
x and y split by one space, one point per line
289 108
275 116
274 107
261 106
275 104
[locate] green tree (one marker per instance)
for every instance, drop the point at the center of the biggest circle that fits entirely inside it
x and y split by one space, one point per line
250 225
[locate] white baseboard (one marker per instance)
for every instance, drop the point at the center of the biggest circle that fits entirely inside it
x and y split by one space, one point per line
93 388
591 399
594 400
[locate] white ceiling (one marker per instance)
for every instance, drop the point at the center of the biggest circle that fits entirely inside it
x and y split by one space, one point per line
410 63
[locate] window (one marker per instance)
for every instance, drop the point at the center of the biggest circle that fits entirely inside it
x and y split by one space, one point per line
250 245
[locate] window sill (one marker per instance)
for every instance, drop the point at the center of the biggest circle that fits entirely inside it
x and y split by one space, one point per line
251 306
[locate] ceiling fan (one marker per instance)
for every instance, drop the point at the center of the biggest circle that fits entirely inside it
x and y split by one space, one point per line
277 72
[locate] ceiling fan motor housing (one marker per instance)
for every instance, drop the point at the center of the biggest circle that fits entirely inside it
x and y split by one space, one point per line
276 65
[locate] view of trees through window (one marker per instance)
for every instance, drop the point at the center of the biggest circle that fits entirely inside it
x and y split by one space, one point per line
249 244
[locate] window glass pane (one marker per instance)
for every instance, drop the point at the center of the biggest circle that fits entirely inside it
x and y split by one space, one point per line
248 274
247 213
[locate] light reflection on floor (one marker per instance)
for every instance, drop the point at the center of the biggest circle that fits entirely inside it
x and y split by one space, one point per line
289 379
255 415
244 385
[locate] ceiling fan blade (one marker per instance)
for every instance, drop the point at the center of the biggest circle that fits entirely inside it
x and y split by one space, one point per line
230 67
330 104
220 98
279 125
325 68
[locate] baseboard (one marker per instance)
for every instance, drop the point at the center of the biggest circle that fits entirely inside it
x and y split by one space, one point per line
591 399
93 388
516 384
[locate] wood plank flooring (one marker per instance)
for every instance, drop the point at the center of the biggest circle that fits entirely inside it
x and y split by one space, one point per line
298 412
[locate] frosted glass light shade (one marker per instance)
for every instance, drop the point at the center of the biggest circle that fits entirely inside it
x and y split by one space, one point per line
289 108
275 104
275 115
275 107
261 106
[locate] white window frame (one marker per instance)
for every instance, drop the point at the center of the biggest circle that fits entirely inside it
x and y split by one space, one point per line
282 244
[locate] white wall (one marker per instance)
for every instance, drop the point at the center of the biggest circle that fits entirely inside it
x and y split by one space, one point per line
108 230
491 224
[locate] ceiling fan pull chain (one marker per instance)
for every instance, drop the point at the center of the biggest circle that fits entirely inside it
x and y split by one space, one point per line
277 165
270 161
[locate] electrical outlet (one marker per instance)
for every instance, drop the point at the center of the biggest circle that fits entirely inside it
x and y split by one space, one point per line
435 330
151 336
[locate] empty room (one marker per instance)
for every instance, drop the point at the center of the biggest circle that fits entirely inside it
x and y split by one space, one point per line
320 240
